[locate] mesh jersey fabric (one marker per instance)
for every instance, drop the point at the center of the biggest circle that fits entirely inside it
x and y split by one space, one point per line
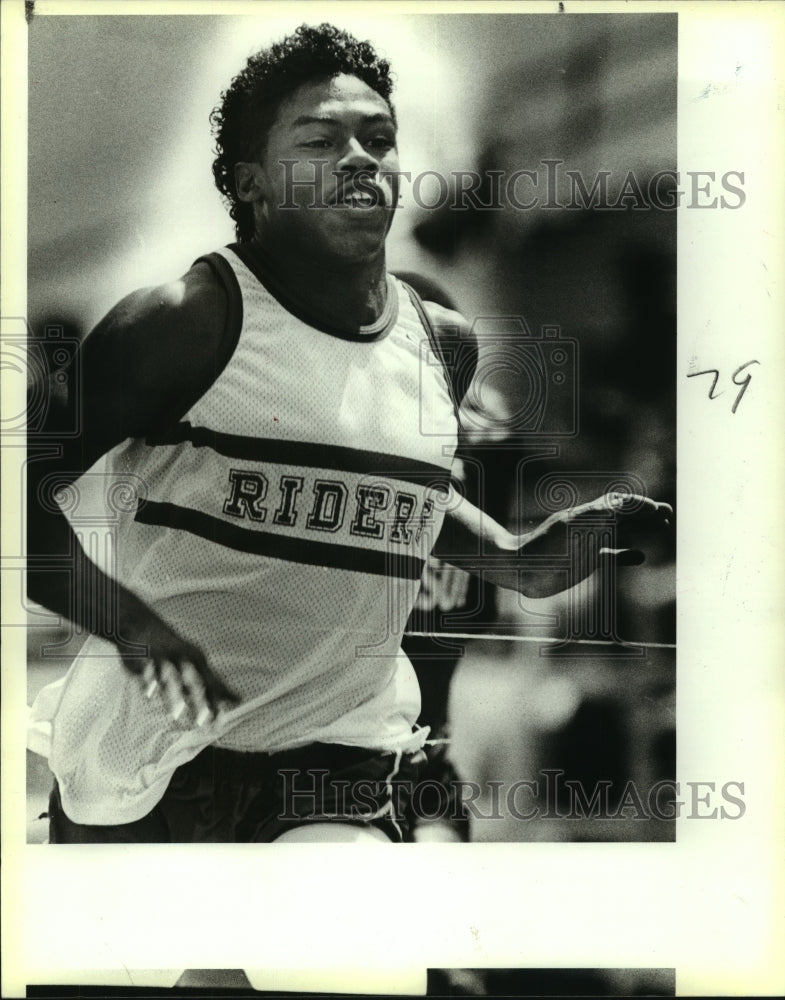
283 528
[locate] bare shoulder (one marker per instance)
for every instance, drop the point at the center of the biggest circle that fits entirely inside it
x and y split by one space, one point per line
450 325
151 356
448 319
191 309
456 336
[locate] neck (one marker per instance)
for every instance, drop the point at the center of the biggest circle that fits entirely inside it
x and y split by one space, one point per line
343 294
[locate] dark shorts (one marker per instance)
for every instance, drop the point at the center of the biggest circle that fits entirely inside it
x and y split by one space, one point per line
225 796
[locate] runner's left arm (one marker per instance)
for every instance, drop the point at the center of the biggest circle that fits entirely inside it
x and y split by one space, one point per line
539 563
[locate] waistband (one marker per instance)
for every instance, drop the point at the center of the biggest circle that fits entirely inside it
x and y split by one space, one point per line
242 765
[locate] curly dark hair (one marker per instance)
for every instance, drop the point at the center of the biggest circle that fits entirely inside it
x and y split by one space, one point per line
249 107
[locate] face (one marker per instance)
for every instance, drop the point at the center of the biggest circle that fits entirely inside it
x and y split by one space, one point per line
327 180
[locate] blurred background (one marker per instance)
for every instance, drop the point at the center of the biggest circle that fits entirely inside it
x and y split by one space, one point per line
551 982
120 195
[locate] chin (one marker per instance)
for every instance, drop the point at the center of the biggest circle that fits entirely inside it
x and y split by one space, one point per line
363 240
358 249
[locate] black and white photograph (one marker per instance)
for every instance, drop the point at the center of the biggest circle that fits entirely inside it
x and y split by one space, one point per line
388 544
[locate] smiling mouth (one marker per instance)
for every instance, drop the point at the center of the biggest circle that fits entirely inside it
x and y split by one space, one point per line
362 199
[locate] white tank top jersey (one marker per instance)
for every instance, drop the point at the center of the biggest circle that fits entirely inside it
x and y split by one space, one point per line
284 528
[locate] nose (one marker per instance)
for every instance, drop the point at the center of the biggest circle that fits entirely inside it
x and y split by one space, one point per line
357 158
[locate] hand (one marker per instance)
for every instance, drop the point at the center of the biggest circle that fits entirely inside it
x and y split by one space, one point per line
634 517
170 665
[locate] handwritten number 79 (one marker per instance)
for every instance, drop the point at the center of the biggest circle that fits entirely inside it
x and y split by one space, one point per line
742 383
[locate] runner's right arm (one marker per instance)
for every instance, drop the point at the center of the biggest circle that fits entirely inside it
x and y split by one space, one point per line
144 364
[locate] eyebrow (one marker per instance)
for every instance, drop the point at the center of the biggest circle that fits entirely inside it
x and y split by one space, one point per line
380 117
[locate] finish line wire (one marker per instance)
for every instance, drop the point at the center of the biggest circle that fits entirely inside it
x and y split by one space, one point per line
625 643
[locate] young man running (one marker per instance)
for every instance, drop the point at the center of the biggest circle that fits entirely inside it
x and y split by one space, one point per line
243 680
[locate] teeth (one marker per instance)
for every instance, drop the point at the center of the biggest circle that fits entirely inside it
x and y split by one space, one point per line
359 199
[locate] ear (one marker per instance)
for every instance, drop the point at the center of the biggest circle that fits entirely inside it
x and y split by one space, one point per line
249 181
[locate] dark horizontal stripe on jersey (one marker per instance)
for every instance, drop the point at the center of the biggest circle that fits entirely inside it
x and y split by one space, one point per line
266 543
310 455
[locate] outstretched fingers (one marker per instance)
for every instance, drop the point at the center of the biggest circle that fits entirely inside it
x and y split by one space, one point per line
210 689
172 690
150 679
629 511
633 503
187 685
